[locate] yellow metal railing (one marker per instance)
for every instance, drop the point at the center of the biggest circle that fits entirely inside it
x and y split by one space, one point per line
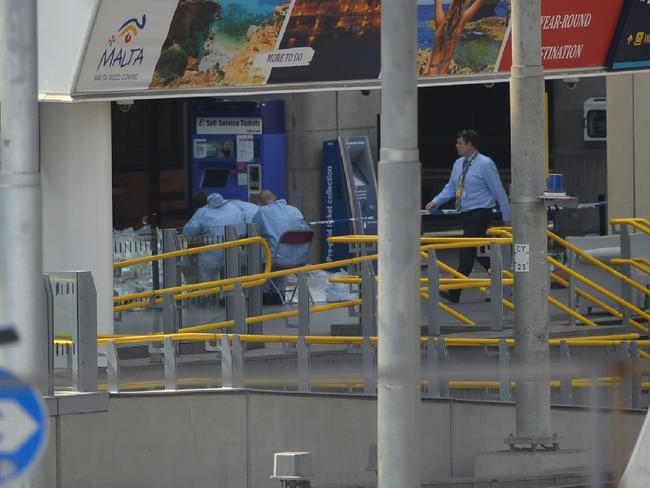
642 225
588 282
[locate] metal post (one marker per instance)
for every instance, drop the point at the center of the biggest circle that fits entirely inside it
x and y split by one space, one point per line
368 294
635 375
527 115
626 289
254 266
433 309
112 368
302 350
566 388
170 314
443 358
398 418
303 304
171 267
433 388
505 390
496 287
169 358
85 373
21 262
231 266
571 259
238 308
368 366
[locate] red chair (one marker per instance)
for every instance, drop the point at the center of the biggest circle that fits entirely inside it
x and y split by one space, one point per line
296 237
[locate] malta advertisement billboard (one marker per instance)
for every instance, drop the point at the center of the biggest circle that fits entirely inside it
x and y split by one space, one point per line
153 45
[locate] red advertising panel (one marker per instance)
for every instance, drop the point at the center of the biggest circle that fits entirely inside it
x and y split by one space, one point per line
575 34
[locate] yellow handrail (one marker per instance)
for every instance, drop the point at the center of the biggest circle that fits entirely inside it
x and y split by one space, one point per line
639 224
196 250
245 279
587 341
597 263
638 263
603 291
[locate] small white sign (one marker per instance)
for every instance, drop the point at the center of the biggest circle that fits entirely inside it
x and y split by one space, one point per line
245 148
228 125
285 58
200 149
522 258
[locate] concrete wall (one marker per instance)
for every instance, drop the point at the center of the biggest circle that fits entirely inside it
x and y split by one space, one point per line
628 148
225 439
77 199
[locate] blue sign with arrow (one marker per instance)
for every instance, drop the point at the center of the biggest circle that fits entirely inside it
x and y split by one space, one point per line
23 426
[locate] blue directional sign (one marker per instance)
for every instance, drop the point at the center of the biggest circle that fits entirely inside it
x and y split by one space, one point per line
23 426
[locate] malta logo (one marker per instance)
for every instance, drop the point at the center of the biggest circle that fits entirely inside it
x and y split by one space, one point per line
128 30
120 52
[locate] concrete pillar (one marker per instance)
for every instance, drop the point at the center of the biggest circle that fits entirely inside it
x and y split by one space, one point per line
628 164
529 224
77 198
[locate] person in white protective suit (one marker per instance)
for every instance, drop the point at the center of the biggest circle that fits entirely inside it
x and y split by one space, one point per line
248 209
273 219
210 221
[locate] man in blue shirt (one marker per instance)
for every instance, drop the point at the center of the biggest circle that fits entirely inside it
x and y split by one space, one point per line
477 188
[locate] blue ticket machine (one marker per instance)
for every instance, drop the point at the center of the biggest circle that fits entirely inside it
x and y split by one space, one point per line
237 148
349 199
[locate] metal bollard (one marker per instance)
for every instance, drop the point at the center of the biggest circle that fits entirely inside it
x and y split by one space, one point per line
433 309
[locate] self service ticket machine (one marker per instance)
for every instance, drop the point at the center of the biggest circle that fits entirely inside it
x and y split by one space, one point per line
350 192
237 148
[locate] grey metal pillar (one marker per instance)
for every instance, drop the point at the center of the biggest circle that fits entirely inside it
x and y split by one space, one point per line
496 286
21 282
527 115
433 309
172 268
398 378
626 289
232 268
254 266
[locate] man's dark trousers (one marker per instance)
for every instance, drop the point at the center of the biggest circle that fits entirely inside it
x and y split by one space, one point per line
475 224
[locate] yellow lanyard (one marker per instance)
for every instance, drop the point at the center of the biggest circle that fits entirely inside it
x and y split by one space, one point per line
461 180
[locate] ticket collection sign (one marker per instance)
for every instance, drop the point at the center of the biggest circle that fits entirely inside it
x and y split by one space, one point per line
167 45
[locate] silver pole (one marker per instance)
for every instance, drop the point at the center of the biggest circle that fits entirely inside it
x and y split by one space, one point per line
21 263
21 282
529 221
398 432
